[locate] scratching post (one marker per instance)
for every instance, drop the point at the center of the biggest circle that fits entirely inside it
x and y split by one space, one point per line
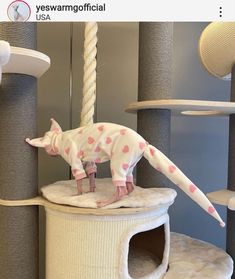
18 164
155 72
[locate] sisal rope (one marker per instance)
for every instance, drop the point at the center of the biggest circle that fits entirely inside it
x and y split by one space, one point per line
89 78
154 83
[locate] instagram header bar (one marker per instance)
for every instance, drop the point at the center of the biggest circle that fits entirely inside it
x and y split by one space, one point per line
117 10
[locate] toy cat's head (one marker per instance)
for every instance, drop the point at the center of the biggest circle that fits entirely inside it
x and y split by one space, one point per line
47 141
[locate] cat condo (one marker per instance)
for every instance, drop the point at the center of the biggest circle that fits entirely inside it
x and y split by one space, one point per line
129 238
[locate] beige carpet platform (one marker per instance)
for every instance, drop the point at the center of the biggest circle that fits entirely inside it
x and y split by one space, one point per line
189 258
64 192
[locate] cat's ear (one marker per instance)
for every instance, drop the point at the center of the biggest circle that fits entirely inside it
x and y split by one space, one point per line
39 142
55 127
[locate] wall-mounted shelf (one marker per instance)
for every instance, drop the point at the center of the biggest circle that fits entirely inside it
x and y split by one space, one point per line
223 197
186 107
27 61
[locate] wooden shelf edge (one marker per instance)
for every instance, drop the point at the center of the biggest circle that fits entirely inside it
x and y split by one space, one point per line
223 197
186 107
27 61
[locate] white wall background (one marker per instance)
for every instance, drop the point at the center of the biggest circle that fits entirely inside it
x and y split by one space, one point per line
198 145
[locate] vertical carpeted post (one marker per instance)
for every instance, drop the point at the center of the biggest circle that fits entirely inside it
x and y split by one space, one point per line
231 175
155 79
18 164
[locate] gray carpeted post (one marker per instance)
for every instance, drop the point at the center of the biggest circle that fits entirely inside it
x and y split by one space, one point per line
18 164
231 175
155 79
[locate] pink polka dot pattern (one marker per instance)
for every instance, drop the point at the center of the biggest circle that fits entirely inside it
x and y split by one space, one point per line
211 209
108 140
80 154
97 160
67 150
125 166
101 128
152 151
125 149
172 168
90 140
97 149
141 145
123 132
192 188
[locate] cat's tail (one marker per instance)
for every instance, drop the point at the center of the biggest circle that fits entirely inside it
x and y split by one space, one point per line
161 163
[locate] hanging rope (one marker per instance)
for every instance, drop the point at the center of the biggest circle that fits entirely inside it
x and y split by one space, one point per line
89 78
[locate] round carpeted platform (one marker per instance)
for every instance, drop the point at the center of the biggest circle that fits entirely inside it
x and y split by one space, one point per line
64 192
189 258
192 258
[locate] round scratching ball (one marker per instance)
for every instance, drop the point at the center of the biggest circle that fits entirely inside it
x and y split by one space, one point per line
217 48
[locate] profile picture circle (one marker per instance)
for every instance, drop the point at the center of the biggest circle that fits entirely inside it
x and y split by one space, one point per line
18 11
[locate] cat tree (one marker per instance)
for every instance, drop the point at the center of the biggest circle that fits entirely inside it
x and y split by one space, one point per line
95 243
